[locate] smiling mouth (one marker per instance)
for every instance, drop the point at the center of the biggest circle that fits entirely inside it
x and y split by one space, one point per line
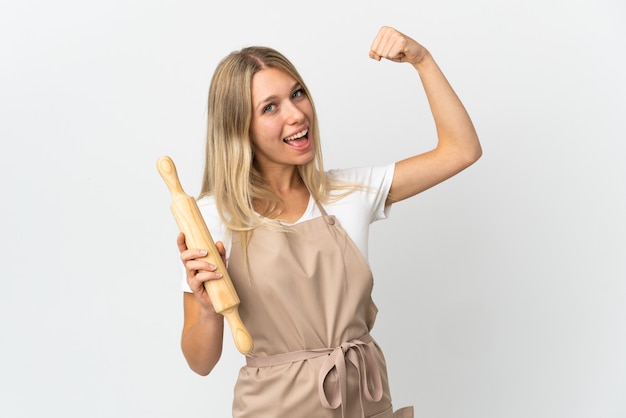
300 135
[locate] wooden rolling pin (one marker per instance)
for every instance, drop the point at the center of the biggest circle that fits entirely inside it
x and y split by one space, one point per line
190 221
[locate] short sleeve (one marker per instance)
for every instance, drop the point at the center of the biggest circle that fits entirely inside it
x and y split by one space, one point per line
377 181
359 209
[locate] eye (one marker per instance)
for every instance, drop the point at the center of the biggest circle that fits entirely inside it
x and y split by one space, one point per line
268 108
297 93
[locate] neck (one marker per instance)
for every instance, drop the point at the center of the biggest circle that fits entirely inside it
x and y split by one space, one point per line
290 192
284 181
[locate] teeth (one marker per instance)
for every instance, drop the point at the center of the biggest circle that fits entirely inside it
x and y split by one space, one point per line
296 136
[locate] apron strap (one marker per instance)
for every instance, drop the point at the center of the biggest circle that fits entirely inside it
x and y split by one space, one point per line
330 220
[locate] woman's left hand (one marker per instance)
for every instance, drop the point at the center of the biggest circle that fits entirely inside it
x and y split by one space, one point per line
396 46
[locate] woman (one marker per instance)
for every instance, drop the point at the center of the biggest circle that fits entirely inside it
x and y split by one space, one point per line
295 237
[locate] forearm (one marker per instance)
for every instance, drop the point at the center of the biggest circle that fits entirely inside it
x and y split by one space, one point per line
455 130
202 338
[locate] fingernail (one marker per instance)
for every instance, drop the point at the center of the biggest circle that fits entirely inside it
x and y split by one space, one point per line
203 252
218 274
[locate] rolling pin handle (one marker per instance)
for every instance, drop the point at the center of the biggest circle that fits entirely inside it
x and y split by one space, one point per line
241 336
167 170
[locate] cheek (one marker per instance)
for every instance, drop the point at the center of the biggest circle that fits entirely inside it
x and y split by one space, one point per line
263 131
254 132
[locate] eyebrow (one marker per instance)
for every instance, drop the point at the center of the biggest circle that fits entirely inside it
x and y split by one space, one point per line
273 97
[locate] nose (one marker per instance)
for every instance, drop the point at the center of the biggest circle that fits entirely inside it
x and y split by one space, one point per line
293 113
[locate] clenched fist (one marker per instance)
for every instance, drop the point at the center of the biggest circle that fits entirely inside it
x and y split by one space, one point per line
396 46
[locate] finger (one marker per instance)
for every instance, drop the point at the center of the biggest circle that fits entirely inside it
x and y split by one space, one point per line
192 254
220 247
375 48
374 56
221 250
390 44
387 47
180 241
196 265
204 275
198 273
394 47
386 44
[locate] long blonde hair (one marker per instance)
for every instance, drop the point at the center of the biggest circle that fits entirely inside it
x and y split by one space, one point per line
229 173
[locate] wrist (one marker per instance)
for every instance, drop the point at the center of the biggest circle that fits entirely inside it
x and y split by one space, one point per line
425 63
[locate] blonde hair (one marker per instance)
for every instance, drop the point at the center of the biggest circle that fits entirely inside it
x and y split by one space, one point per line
230 174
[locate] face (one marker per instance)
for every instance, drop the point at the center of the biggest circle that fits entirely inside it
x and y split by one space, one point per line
281 117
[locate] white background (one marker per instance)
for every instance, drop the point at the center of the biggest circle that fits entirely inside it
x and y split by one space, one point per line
501 292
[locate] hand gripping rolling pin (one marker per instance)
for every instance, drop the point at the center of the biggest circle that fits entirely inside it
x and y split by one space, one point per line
191 223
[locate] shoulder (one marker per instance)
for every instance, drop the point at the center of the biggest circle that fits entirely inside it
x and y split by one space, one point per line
369 198
372 176
364 181
207 202
208 208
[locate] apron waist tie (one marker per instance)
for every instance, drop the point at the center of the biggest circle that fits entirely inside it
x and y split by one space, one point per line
358 352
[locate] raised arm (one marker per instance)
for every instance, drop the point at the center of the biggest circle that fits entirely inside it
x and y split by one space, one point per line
457 142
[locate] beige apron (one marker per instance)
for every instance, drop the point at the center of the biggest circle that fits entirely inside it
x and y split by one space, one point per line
306 300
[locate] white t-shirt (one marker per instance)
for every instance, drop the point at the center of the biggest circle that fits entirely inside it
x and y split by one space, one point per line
355 212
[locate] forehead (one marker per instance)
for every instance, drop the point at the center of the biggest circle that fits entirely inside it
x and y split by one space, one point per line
271 82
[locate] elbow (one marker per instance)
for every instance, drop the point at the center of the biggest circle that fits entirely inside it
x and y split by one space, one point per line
201 371
202 362
201 368
472 154
463 152
467 158
478 152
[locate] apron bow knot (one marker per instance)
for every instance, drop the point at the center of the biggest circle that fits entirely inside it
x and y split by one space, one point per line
361 356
